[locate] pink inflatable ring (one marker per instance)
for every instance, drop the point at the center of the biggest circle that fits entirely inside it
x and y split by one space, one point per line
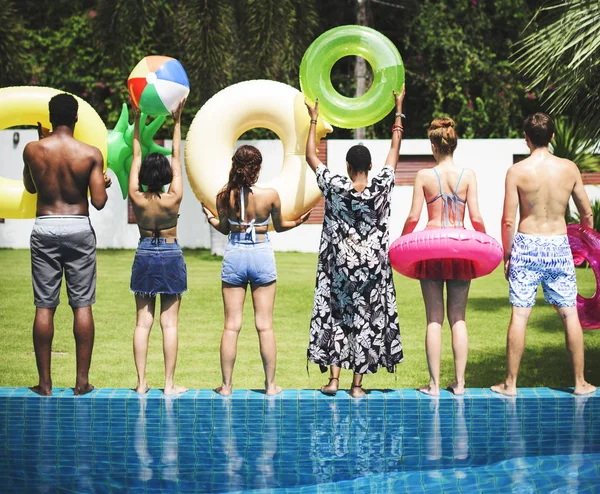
445 243
585 246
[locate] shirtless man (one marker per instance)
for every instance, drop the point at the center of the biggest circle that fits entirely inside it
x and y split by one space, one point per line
540 187
61 169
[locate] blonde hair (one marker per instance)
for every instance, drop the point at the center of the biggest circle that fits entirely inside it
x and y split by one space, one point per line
442 134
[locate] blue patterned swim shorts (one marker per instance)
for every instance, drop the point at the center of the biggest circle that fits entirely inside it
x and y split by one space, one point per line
548 260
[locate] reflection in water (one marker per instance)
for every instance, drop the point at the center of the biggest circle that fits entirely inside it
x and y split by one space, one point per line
216 444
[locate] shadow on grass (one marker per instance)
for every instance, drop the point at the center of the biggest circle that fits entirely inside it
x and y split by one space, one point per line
548 367
488 304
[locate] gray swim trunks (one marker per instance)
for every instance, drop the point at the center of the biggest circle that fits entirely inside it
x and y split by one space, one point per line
63 243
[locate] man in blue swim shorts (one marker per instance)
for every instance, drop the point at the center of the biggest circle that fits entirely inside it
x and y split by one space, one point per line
540 187
61 169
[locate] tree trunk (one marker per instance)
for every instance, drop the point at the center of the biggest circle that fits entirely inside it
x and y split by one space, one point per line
360 67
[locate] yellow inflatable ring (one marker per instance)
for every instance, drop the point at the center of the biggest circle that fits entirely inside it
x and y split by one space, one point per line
236 109
25 105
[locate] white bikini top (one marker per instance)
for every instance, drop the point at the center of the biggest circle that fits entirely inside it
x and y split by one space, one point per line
249 226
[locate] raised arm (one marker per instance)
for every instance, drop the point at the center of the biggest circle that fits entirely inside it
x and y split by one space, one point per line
582 201
397 131
279 223
509 216
136 161
176 188
473 204
417 205
311 143
99 181
27 178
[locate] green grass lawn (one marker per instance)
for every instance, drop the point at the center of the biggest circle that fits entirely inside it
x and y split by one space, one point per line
545 361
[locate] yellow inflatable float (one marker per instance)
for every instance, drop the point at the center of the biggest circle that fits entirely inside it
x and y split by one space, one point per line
241 107
26 106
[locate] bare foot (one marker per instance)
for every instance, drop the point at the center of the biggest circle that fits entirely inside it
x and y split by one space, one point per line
504 389
223 390
142 389
430 390
457 389
584 389
42 391
83 390
356 391
173 390
275 390
331 388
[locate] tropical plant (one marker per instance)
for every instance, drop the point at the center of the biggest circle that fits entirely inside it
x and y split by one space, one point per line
561 58
575 218
573 143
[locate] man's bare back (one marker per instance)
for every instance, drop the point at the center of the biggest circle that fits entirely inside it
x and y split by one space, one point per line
544 184
60 169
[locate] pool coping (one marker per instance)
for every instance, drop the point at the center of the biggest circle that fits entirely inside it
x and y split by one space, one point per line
299 394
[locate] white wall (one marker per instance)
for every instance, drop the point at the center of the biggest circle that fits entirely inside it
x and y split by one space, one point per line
490 158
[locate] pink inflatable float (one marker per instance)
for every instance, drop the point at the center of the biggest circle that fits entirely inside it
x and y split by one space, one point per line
585 245
484 252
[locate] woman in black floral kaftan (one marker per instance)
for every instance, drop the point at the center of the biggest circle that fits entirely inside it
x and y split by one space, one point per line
355 320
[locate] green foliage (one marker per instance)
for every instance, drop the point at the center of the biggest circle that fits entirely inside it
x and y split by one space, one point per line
12 45
561 58
572 142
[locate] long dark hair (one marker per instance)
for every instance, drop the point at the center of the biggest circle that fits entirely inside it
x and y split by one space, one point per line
155 172
245 167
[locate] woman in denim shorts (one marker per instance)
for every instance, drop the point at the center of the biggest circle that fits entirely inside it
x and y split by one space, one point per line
158 267
244 213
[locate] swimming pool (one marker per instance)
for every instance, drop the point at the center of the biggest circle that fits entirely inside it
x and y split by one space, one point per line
300 441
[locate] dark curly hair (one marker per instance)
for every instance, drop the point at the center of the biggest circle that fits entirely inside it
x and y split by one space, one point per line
359 158
155 172
245 167
63 110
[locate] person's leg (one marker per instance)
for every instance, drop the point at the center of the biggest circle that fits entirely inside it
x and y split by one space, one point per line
263 298
515 346
43 333
169 315
143 324
83 329
233 302
458 292
575 348
433 296
356 390
334 381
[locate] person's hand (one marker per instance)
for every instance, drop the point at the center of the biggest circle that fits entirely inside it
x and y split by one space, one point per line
207 212
506 268
43 131
107 180
178 111
313 111
399 98
304 217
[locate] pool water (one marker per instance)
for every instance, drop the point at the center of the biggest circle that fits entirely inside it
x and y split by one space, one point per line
300 441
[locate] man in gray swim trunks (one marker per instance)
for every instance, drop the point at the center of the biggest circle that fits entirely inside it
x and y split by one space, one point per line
540 188
61 169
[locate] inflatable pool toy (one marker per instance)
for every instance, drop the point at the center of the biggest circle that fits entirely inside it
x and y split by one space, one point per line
120 147
234 110
157 85
331 46
585 246
24 105
483 251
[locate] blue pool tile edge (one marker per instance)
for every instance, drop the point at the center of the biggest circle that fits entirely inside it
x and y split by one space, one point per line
298 394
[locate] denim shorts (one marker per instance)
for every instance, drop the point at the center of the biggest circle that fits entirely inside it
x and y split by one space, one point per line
63 244
158 268
246 261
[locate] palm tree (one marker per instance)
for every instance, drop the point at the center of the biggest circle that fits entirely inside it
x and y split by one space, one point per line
561 57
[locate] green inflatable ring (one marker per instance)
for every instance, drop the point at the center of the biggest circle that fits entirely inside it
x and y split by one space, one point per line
375 48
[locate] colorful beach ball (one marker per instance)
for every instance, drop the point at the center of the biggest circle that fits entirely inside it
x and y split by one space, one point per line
157 85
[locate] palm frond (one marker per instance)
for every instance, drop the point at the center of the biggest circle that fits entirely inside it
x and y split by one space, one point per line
561 57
